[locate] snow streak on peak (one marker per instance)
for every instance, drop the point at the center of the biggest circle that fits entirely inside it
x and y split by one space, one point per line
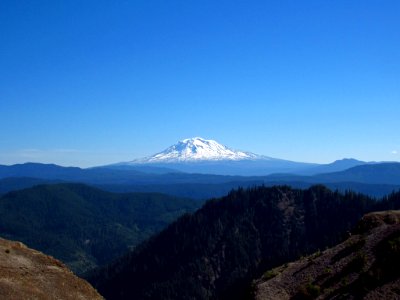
198 149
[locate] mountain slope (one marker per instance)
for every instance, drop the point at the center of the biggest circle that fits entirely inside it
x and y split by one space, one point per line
217 251
365 266
83 226
28 274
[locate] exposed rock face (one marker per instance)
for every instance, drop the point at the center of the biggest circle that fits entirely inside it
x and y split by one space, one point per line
29 274
365 266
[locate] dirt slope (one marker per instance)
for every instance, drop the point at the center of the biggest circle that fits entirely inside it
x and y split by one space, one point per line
29 274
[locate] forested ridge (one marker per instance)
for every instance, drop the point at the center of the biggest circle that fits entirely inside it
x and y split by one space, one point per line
83 226
217 251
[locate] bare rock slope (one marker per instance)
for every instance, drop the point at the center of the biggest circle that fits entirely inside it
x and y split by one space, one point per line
29 274
365 266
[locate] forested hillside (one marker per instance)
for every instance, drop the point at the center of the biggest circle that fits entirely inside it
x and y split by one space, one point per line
216 252
83 226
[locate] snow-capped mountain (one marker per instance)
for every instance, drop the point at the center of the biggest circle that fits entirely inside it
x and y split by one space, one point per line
198 155
196 150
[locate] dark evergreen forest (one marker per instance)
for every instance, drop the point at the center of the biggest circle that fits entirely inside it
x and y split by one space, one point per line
83 226
216 252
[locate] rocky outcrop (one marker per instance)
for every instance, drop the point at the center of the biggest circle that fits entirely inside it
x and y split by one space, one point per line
29 274
365 266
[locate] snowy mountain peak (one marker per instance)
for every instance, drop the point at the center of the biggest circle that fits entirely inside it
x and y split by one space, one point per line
198 149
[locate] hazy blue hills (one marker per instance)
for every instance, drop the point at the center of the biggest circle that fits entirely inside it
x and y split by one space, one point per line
376 179
336 166
84 226
103 175
141 168
216 252
206 190
9 184
377 173
55 172
258 167
189 190
382 173
373 179
255 167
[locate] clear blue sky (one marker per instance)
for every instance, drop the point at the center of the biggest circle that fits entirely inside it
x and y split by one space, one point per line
92 82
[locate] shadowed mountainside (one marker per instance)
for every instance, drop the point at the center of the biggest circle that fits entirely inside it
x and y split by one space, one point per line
216 252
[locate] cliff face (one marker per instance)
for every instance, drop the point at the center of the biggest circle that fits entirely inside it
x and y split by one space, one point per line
29 274
365 266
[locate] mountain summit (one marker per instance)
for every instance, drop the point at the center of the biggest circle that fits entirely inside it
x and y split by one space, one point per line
198 149
198 155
